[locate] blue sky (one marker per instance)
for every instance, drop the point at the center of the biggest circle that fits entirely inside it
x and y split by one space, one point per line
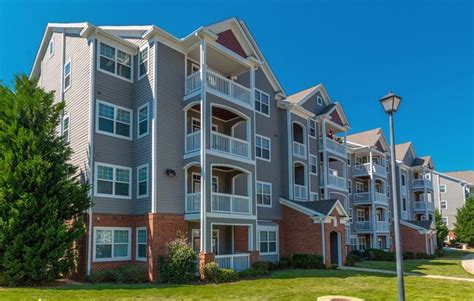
422 50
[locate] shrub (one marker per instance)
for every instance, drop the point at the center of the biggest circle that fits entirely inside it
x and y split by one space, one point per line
264 265
252 273
288 260
379 255
351 259
180 265
210 271
282 264
102 276
131 274
422 255
357 253
333 266
214 274
355 257
408 255
439 253
308 261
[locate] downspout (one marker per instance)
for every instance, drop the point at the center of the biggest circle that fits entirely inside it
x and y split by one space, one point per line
153 131
323 239
203 73
290 155
372 194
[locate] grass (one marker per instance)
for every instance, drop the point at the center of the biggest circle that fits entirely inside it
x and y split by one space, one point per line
448 265
282 285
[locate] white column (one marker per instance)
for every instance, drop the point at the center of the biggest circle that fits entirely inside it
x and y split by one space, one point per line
372 196
425 196
325 161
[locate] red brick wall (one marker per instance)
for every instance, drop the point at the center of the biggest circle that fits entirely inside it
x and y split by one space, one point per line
340 228
412 240
241 239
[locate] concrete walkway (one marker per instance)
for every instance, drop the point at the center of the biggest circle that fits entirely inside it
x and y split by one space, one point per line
468 263
407 273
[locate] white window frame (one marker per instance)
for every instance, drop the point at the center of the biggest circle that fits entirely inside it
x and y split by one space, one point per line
195 65
363 217
66 75
271 193
269 148
138 244
349 186
129 249
51 47
115 61
147 106
259 100
147 180
312 128
349 160
113 195
146 47
116 107
277 242
64 117
359 243
311 157
314 196
445 188
441 204
445 218
319 100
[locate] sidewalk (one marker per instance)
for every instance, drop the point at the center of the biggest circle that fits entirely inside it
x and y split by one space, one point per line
468 263
410 274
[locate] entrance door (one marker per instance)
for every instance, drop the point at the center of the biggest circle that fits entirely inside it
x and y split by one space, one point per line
334 247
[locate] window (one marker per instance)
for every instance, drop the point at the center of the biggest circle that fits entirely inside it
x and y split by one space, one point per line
312 128
319 100
354 243
268 242
313 165
194 68
264 194
65 128
359 187
442 188
67 75
403 180
142 120
349 186
362 244
262 147
262 102
196 125
114 120
142 243
111 244
142 181
349 160
112 181
444 204
196 178
314 196
115 61
51 47
143 63
360 215
404 204
444 220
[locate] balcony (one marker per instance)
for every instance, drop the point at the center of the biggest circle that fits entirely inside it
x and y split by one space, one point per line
363 226
334 147
383 226
237 262
361 198
193 203
364 170
337 182
193 142
423 205
230 145
219 85
230 204
300 192
422 184
404 191
299 150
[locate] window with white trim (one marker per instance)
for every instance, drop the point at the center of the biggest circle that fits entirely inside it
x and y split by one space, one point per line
51 47
143 63
143 120
349 160
362 243
65 127
319 100
112 181
443 204
142 181
312 128
444 220
262 147
349 186
112 244
115 61
403 180
262 102
354 243
264 194
114 120
268 242
314 196
313 165
442 188
360 215
67 75
142 238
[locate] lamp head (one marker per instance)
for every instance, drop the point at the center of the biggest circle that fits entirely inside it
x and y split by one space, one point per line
390 102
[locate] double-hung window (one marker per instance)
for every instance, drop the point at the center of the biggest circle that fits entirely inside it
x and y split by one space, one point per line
262 147
312 128
268 241
114 120
115 61
112 181
112 244
314 196
262 102
143 63
51 47
65 127
443 204
67 75
264 194
442 188
142 181
313 165
143 120
141 244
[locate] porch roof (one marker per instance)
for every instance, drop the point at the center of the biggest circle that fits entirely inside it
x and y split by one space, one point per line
321 208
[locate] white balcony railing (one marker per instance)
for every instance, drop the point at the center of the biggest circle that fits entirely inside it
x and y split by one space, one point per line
383 226
361 197
193 142
236 262
338 182
334 146
230 145
228 87
364 169
300 192
363 225
423 205
193 202
231 203
422 183
381 198
299 149
193 83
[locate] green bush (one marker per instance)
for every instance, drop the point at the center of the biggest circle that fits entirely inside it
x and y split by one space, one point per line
357 253
252 273
308 261
351 259
180 265
213 273
422 255
288 260
282 264
408 255
379 255
105 276
131 274
439 253
355 257
333 266
264 265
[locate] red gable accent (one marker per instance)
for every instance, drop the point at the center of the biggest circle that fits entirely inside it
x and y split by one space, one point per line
228 40
336 118
379 146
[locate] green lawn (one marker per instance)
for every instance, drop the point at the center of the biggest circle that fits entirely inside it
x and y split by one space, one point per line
282 285
448 265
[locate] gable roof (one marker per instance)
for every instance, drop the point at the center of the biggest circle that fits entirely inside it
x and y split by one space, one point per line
423 161
465 175
320 208
425 225
369 138
299 96
401 150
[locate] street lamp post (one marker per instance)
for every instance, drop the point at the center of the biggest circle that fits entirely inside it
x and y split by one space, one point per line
390 103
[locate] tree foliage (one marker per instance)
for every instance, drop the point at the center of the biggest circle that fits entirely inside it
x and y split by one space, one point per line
42 199
441 230
464 225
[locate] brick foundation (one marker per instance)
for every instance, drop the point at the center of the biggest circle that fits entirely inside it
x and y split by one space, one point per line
204 258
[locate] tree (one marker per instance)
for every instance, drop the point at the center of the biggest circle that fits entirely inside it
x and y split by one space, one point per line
441 229
42 199
464 225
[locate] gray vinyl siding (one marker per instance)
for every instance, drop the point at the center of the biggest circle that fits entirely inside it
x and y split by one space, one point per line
454 197
312 105
50 79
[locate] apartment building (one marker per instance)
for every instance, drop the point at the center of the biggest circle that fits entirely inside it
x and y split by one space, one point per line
196 136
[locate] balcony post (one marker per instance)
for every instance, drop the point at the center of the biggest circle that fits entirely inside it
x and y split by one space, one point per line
372 196
425 198
325 161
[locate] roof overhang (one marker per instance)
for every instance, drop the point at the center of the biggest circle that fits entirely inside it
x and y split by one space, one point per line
318 217
420 230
